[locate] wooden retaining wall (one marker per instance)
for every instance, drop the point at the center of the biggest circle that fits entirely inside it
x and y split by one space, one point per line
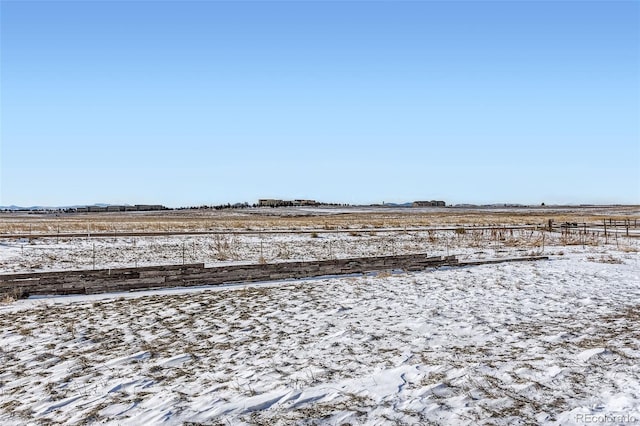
127 279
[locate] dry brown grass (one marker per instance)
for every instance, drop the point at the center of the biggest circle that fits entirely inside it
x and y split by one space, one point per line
6 298
605 259
193 220
629 249
383 274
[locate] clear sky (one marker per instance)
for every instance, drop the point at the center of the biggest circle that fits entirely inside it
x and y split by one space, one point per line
192 102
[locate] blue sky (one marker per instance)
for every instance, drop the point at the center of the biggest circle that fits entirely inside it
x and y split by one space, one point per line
185 103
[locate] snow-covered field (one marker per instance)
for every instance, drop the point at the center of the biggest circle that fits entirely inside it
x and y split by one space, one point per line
41 254
51 254
547 342
531 343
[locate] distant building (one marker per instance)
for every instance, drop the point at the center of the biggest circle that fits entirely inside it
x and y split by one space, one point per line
432 203
149 207
116 208
270 202
96 209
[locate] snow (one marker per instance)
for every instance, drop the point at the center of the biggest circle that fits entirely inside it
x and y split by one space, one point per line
50 254
546 342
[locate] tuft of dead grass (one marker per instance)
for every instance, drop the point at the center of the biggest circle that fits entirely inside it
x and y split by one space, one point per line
7 299
383 274
605 259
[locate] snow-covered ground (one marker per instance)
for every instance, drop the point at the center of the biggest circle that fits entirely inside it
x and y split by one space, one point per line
516 343
40 254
